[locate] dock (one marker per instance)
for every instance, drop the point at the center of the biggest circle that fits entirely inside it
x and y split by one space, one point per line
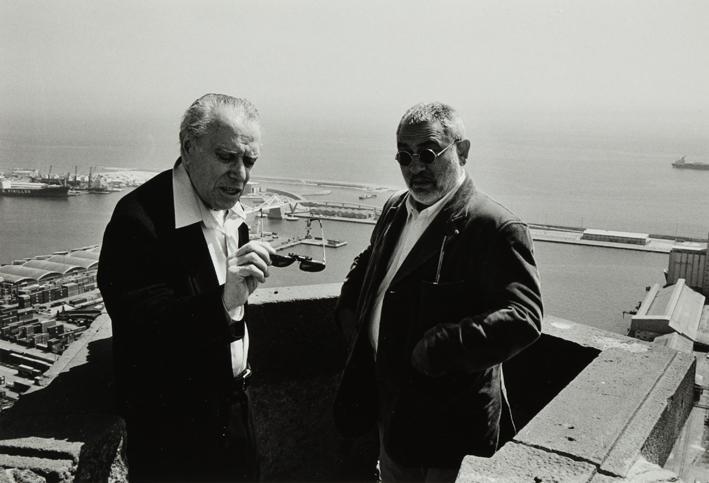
317 241
540 233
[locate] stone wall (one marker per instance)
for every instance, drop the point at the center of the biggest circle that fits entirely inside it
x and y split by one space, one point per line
589 404
623 412
65 429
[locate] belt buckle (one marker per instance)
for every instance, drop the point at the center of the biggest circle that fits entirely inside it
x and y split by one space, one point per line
242 379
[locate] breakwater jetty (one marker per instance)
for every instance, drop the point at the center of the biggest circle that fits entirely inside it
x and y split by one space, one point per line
611 239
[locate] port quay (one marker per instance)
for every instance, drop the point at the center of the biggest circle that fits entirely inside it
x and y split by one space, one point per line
590 405
286 205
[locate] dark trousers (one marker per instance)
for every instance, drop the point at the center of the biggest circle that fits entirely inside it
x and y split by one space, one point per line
189 447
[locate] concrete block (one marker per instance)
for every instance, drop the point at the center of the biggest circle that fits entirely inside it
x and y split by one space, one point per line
654 427
24 476
299 293
612 409
51 469
642 471
289 324
587 336
41 447
520 463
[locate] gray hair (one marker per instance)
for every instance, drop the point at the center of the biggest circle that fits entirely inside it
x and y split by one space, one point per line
434 112
199 116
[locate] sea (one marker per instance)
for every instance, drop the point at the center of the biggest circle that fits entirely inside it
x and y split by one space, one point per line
593 173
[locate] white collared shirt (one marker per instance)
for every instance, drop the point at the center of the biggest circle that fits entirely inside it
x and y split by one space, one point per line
416 224
221 233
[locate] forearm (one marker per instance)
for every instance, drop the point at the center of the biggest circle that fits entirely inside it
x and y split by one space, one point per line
476 343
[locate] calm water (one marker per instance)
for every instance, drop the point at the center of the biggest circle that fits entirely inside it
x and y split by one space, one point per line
592 175
585 284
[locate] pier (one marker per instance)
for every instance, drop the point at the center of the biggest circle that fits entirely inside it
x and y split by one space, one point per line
277 205
317 242
575 236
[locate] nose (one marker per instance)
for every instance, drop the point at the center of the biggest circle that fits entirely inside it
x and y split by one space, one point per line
416 166
237 170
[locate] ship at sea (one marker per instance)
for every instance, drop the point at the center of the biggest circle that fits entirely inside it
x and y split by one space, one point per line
31 189
681 163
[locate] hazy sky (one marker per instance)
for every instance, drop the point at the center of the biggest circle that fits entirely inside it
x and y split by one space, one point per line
150 59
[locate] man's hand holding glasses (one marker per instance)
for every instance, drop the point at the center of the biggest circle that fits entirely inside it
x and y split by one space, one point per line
246 269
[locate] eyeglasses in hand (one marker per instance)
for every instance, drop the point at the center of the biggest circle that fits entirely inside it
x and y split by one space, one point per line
427 156
307 264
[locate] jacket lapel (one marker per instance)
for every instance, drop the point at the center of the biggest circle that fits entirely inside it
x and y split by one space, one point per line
448 224
194 256
382 250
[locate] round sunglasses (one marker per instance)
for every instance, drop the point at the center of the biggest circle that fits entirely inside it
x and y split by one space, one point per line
307 264
427 156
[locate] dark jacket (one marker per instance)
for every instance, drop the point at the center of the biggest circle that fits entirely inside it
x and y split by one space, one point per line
484 307
171 333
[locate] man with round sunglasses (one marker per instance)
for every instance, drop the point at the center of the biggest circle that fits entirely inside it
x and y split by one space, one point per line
446 291
176 271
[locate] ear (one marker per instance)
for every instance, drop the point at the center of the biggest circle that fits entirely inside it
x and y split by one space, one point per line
463 147
186 145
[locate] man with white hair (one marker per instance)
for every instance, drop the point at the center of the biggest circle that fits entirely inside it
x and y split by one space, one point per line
447 290
176 270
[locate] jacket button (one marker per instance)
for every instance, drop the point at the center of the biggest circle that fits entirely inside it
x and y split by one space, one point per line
392 292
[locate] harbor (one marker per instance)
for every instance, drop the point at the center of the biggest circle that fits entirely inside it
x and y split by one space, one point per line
22 182
589 274
582 277
46 303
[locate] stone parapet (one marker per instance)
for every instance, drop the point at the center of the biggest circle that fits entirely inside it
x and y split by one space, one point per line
590 405
65 429
627 406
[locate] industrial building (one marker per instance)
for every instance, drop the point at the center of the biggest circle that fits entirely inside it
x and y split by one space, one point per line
616 236
690 264
33 293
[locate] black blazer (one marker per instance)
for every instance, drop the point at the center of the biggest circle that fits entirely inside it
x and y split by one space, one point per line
171 333
483 308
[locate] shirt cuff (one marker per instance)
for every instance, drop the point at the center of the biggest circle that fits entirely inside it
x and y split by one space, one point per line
237 313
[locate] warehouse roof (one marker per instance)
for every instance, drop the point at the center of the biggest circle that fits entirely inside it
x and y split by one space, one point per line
91 255
9 277
62 268
28 272
70 260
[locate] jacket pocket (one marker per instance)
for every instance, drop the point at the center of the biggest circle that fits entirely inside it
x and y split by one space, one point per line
441 302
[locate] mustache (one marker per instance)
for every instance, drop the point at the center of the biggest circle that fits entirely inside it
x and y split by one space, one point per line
421 178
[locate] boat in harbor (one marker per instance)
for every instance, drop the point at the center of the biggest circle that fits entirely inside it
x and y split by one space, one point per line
31 189
99 190
367 196
682 163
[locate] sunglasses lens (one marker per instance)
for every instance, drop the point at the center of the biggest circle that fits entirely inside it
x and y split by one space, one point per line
312 266
403 158
281 261
427 156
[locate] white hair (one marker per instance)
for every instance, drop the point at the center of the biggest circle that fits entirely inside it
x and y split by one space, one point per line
199 116
435 112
